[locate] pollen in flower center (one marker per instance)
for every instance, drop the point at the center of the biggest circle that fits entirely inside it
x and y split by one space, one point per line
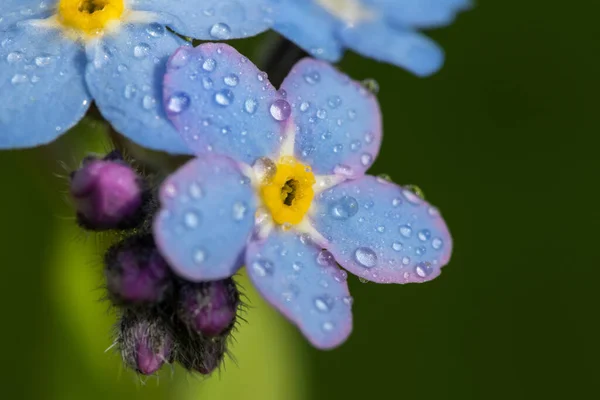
89 16
286 188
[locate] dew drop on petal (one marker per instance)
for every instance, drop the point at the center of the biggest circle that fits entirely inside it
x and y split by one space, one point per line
178 102
280 110
324 303
344 208
224 97
365 257
231 80
220 31
250 106
209 65
262 267
423 269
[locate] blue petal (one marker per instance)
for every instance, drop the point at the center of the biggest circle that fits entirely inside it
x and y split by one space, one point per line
382 232
220 103
42 90
398 46
338 121
212 19
304 284
14 11
125 75
207 215
420 13
310 27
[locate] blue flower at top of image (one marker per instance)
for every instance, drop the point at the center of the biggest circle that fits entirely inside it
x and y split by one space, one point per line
56 56
279 185
386 30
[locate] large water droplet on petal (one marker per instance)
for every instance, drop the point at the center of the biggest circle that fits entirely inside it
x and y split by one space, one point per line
365 257
220 31
263 267
224 97
178 102
324 303
344 208
423 269
280 110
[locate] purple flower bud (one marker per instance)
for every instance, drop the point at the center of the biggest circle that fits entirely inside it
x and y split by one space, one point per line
208 308
200 354
136 272
145 341
107 194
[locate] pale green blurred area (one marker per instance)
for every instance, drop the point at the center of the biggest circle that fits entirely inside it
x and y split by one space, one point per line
65 332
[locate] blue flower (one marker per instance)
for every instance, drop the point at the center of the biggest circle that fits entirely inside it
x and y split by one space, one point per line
385 30
279 185
58 55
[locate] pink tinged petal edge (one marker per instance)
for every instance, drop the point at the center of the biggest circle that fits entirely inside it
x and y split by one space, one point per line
382 232
206 217
339 123
310 290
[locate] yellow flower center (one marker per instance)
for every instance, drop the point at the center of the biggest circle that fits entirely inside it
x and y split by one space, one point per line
289 192
89 16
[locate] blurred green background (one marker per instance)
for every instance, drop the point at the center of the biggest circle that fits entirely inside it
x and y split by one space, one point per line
504 140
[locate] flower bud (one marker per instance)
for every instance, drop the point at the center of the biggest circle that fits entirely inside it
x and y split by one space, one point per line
145 341
136 272
208 308
107 194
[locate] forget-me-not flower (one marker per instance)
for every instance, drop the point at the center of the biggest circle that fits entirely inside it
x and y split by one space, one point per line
58 55
386 30
279 185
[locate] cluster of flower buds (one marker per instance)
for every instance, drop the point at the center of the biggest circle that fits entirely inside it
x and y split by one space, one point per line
163 318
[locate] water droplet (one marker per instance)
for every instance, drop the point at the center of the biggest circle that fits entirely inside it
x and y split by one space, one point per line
348 300
344 208
434 212
297 266
207 83
141 50
341 276
130 91
424 235
397 246
262 267
355 145
199 256
334 102
290 293
304 106
324 303
148 102
371 85
250 106
397 201
14 57
423 269
325 258
406 231
180 58
437 243
209 65
341 169
352 114
155 29
280 110
191 219
328 326
312 77
321 113
220 31
262 76
420 250
369 137
178 102
264 169
381 229
366 159
224 97
195 190
338 148
231 80
239 210
365 257
43 61
412 197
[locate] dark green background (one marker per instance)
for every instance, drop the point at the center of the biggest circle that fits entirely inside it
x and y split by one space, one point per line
504 140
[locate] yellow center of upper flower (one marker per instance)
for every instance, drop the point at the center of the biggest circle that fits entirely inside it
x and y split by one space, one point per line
289 192
349 11
89 16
